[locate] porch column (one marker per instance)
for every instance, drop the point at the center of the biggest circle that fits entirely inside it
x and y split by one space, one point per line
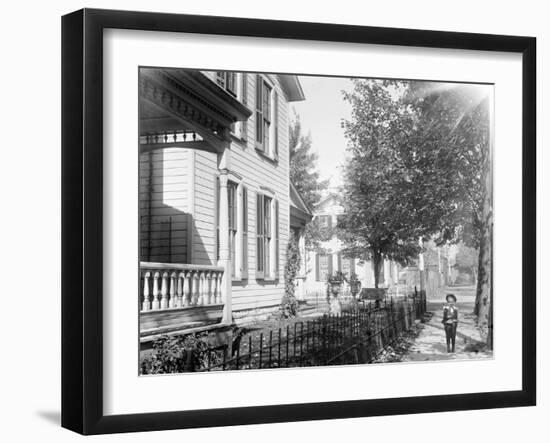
225 259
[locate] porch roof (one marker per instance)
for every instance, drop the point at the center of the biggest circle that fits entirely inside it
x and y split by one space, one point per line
184 107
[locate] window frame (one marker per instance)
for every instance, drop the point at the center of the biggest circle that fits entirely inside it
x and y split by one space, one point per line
227 80
329 271
267 237
237 225
266 115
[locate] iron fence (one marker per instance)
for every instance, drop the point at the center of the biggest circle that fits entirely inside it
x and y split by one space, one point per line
357 335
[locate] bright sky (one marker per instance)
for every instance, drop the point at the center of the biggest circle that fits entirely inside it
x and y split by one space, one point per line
321 114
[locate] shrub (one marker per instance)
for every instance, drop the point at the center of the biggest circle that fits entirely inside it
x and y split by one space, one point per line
176 354
289 304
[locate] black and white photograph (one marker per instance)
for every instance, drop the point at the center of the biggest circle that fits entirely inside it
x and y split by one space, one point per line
292 221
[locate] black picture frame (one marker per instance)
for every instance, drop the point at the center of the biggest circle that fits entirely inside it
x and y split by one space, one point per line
82 218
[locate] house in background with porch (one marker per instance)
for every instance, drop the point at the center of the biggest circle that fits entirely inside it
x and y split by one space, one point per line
328 258
216 202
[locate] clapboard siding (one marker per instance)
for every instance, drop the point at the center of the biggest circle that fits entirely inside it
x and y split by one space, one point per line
164 205
180 184
205 169
257 171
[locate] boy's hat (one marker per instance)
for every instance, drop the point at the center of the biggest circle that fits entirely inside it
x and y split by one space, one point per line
450 296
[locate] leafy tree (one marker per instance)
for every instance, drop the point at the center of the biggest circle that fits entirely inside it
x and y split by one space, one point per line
419 167
377 208
303 165
315 233
466 260
450 151
305 176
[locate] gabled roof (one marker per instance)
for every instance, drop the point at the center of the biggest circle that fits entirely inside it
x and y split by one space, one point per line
292 87
297 201
300 214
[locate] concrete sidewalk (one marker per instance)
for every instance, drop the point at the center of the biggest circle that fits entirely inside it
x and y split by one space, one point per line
430 343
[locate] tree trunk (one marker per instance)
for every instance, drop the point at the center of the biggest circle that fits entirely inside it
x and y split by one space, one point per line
484 292
376 262
479 274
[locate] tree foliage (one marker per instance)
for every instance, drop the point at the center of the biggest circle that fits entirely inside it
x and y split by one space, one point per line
376 221
466 259
419 166
447 154
303 165
289 303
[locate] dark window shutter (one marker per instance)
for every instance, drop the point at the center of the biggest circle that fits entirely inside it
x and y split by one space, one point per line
259 236
244 268
231 84
259 110
276 238
339 262
276 124
329 265
244 99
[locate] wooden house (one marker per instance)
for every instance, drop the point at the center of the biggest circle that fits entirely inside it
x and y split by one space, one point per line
328 259
215 196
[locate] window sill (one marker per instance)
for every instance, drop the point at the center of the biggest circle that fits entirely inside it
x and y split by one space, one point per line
267 156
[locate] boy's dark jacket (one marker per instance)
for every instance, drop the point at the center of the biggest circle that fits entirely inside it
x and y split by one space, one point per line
447 315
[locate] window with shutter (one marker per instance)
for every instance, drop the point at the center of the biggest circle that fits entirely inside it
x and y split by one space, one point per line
267 237
324 266
265 118
259 236
227 81
259 112
232 205
244 264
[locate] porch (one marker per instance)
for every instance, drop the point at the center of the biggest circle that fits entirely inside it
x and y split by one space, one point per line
183 111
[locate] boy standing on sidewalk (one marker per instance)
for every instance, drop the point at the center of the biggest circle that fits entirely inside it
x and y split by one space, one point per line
450 321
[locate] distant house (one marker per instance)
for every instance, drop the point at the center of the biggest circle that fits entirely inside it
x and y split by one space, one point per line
216 202
328 257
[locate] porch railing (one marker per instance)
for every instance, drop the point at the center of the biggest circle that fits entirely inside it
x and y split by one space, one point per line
171 285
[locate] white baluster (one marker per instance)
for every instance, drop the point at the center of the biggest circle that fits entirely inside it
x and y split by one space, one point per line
164 291
219 288
201 288
195 290
208 288
186 288
155 305
172 303
180 299
145 306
